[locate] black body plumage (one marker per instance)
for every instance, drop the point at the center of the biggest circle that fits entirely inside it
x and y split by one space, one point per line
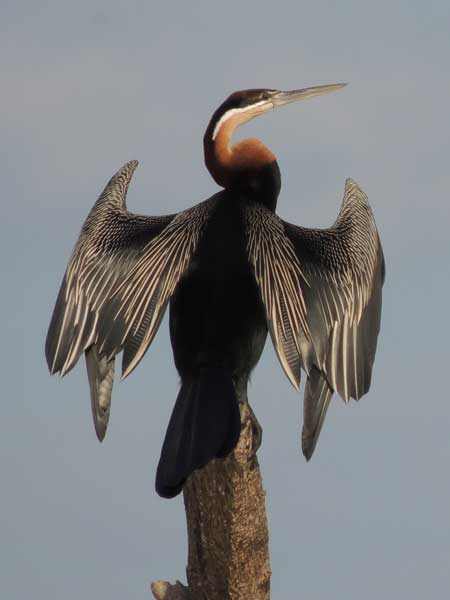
232 270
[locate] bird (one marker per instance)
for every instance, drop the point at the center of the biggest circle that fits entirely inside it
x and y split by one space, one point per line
232 272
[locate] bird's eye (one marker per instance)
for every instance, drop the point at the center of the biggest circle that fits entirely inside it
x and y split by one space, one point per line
265 95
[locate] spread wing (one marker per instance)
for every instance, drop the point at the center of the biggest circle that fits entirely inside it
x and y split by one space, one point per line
121 275
322 294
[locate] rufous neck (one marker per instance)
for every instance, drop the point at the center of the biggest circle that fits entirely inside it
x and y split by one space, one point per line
230 164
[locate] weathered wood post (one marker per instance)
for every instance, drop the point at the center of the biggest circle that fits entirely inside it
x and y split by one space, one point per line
228 550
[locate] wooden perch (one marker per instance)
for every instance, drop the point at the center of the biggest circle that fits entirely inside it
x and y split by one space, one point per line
228 553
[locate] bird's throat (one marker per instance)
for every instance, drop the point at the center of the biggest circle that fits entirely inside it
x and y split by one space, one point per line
231 164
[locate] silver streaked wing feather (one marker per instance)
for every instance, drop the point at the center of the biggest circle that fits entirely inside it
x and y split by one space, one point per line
345 268
146 290
120 277
109 244
322 294
280 278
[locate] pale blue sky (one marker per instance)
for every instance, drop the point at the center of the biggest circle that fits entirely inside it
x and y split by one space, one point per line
87 86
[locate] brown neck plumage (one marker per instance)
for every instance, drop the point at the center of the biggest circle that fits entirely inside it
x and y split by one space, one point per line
229 164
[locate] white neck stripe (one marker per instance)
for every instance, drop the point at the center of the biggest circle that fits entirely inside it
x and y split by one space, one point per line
231 112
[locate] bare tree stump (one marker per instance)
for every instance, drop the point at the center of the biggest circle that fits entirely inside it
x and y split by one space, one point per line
228 554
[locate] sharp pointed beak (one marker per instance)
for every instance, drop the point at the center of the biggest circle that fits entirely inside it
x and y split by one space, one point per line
281 98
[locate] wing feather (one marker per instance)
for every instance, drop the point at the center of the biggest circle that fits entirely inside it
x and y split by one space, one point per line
322 293
279 277
345 267
122 272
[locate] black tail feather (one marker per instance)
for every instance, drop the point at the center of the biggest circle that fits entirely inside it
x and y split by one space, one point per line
205 424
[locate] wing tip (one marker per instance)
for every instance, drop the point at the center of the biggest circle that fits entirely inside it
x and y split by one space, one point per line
50 360
121 177
295 382
308 446
352 183
127 169
51 349
131 165
56 367
353 188
128 367
100 430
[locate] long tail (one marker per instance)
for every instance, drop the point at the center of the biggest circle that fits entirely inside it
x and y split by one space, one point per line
205 424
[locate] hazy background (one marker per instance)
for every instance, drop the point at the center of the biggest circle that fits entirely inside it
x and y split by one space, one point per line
86 86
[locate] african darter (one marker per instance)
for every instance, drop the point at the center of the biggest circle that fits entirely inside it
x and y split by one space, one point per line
231 270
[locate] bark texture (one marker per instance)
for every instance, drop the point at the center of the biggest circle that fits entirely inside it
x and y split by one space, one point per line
228 554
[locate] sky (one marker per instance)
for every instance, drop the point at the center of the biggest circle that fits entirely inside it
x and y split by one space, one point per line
87 86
